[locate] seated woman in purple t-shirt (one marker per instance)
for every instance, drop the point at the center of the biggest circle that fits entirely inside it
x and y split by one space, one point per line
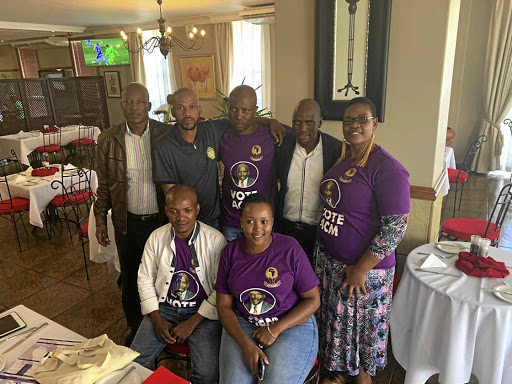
366 209
275 291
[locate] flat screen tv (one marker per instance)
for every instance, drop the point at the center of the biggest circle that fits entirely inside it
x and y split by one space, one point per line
105 52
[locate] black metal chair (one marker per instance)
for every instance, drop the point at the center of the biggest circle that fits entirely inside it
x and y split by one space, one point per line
461 228
460 176
10 206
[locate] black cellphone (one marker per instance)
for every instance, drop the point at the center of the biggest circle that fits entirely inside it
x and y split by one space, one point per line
261 369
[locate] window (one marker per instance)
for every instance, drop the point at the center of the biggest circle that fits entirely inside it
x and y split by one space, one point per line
158 71
250 53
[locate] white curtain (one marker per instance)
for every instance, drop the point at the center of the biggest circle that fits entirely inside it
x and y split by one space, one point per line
252 60
136 60
159 73
497 85
223 56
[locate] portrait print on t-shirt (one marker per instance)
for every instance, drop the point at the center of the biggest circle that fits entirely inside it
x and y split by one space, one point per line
330 192
183 290
257 301
244 174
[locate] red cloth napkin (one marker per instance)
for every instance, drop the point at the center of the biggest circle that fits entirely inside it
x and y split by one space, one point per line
163 375
479 266
50 129
41 172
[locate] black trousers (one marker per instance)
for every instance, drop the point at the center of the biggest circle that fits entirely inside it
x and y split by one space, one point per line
305 234
130 248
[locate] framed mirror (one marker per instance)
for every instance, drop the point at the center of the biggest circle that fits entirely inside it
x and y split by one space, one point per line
352 41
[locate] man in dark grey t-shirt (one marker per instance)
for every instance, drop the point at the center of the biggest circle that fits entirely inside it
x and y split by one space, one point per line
188 154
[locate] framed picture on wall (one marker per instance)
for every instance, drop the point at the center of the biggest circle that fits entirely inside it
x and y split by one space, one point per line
197 72
112 83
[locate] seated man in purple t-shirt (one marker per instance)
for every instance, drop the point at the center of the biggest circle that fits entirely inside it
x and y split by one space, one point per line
247 152
176 281
267 293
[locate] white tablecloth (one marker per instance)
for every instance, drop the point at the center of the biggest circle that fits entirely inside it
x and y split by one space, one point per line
40 194
100 254
448 162
25 143
53 330
450 325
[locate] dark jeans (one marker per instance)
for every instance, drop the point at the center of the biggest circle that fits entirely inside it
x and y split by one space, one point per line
305 234
130 248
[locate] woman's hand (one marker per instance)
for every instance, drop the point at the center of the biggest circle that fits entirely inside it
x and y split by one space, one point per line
263 336
355 280
251 354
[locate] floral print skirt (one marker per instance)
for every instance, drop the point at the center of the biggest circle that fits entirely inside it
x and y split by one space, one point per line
352 333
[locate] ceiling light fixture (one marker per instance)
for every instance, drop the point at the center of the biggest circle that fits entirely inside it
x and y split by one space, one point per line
165 41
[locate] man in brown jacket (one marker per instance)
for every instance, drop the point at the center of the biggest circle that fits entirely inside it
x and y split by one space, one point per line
125 185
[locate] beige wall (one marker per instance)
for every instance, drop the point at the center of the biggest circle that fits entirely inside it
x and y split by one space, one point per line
55 57
421 54
9 61
466 104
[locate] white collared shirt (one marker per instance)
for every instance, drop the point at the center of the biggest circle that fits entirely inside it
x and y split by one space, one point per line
302 201
140 189
256 309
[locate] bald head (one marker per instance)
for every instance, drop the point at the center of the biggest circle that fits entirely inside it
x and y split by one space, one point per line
242 109
306 121
136 106
135 88
184 93
182 209
186 110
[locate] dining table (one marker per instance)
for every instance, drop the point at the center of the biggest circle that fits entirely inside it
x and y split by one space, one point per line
451 323
24 143
39 189
53 331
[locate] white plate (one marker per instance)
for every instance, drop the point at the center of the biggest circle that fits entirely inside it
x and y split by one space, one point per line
499 289
2 363
30 183
451 247
115 376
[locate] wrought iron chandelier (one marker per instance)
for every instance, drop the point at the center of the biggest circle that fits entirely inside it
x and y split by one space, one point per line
165 41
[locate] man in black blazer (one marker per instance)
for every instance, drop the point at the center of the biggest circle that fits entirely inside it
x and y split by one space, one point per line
302 160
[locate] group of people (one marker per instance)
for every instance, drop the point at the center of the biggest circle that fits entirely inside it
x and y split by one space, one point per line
242 281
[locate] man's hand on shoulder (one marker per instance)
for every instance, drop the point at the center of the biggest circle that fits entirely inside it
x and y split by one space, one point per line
183 330
277 130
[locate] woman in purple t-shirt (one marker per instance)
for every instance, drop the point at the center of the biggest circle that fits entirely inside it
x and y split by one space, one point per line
366 208
275 291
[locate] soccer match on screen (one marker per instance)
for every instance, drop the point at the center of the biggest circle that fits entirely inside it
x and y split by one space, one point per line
105 52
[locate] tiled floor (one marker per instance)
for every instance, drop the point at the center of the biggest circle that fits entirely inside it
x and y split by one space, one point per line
49 275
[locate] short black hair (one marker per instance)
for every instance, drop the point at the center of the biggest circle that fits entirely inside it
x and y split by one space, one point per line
363 100
257 198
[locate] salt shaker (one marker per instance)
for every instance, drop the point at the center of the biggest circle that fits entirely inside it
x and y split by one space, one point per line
484 247
475 244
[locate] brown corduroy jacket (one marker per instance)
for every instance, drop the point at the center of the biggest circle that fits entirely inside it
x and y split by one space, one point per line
111 171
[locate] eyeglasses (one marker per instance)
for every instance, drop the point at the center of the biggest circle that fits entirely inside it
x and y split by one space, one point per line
359 119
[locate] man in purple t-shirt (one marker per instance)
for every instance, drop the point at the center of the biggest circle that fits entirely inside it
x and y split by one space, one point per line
247 151
176 279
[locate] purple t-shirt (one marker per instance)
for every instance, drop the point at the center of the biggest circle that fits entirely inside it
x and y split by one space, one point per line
354 200
185 290
249 168
267 285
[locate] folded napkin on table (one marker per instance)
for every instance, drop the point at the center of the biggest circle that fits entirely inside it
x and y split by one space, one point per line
20 179
479 266
163 375
83 363
41 172
432 261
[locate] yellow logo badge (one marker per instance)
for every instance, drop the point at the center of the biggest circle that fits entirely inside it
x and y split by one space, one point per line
271 274
350 173
210 152
256 153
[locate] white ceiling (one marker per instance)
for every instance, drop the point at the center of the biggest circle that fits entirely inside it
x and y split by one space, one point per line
99 13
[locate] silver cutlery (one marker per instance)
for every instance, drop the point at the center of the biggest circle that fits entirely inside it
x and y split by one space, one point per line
25 337
437 272
126 375
500 292
504 282
17 335
435 254
451 245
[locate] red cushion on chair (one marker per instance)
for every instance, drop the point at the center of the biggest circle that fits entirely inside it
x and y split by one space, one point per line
178 349
18 203
82 142
48 148
456 175
85 229
77 198
463 227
